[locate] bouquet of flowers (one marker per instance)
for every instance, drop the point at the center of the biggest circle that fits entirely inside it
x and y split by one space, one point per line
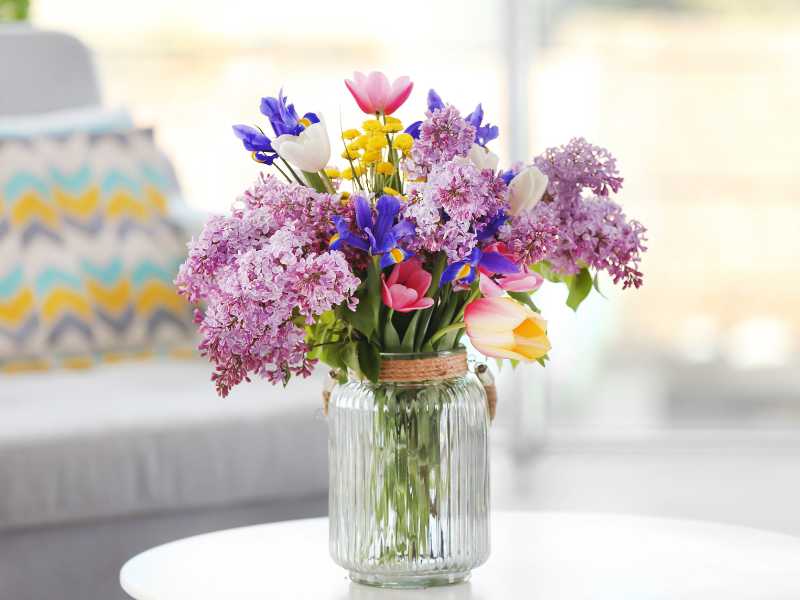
415 239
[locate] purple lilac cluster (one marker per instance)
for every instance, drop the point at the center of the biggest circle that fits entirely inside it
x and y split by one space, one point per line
263 274
453 205
442 136
571 230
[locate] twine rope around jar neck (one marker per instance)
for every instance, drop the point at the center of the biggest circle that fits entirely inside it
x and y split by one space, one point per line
433 368
436 368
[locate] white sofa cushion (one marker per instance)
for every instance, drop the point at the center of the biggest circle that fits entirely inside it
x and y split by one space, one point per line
152 436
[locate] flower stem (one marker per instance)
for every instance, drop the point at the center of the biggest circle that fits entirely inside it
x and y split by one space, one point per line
445 330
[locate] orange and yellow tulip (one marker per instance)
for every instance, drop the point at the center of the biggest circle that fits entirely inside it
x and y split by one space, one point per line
503 328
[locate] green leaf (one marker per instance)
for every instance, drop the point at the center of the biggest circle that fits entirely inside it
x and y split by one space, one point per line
314 181
391 341
544 269
333 355
407 345
350 356
543 360
579 287
596 285
369 360
524 298
361 318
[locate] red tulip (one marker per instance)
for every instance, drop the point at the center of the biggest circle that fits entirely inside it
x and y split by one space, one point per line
406 286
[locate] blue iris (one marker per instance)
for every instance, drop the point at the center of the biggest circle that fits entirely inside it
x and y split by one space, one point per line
413 129
507 176
256 142
434 100
483 133
467 269
382 233
491 228
283 116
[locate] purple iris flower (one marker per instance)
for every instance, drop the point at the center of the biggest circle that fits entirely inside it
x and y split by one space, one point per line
488 230
283 116
466 270
413 129
382 233
434 100
483 133
256 142
507 176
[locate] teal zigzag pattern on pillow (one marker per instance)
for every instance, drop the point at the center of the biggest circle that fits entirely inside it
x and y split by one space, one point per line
88 251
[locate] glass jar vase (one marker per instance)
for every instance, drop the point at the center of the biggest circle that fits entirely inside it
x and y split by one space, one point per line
409 472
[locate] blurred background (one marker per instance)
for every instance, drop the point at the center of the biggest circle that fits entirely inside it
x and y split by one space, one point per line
679 399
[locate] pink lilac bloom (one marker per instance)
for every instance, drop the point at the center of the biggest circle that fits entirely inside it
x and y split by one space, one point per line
571 229
457 200
442 136
577 166
262 273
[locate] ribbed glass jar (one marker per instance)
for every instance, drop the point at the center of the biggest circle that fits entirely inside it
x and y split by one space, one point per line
409 477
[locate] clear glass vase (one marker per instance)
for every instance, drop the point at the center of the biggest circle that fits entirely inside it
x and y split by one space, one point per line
409 475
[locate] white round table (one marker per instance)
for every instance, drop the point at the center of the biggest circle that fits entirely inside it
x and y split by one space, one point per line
535 556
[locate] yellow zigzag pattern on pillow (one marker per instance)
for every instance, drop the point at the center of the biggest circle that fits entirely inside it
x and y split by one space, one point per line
157 294
83 205
62 300
114 298
30 206
14 310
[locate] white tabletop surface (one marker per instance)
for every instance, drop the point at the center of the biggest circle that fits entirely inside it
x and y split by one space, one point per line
535 556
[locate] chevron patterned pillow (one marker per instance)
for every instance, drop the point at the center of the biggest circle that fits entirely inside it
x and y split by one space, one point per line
88 251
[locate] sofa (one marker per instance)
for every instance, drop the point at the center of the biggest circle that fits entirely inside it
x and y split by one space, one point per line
101 462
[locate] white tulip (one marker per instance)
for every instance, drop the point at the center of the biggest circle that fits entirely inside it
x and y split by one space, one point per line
526 189
310 151
482 158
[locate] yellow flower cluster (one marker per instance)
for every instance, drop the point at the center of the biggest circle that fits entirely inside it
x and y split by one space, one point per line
376 145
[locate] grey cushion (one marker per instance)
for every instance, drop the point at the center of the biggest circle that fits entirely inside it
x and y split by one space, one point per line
44 71
151 436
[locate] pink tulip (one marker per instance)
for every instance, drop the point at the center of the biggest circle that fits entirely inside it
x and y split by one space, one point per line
406 286
375 94
504 328
524 281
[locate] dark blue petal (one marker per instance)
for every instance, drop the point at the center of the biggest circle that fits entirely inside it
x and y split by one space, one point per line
389 259
388 207
507 176
471 277
451 272
265 158
413 129
373 244
497 263
363 212
384 243
252 139
488 230
487 133
282 115
434 101
475 118
353 240
312 117
474 257
404 229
